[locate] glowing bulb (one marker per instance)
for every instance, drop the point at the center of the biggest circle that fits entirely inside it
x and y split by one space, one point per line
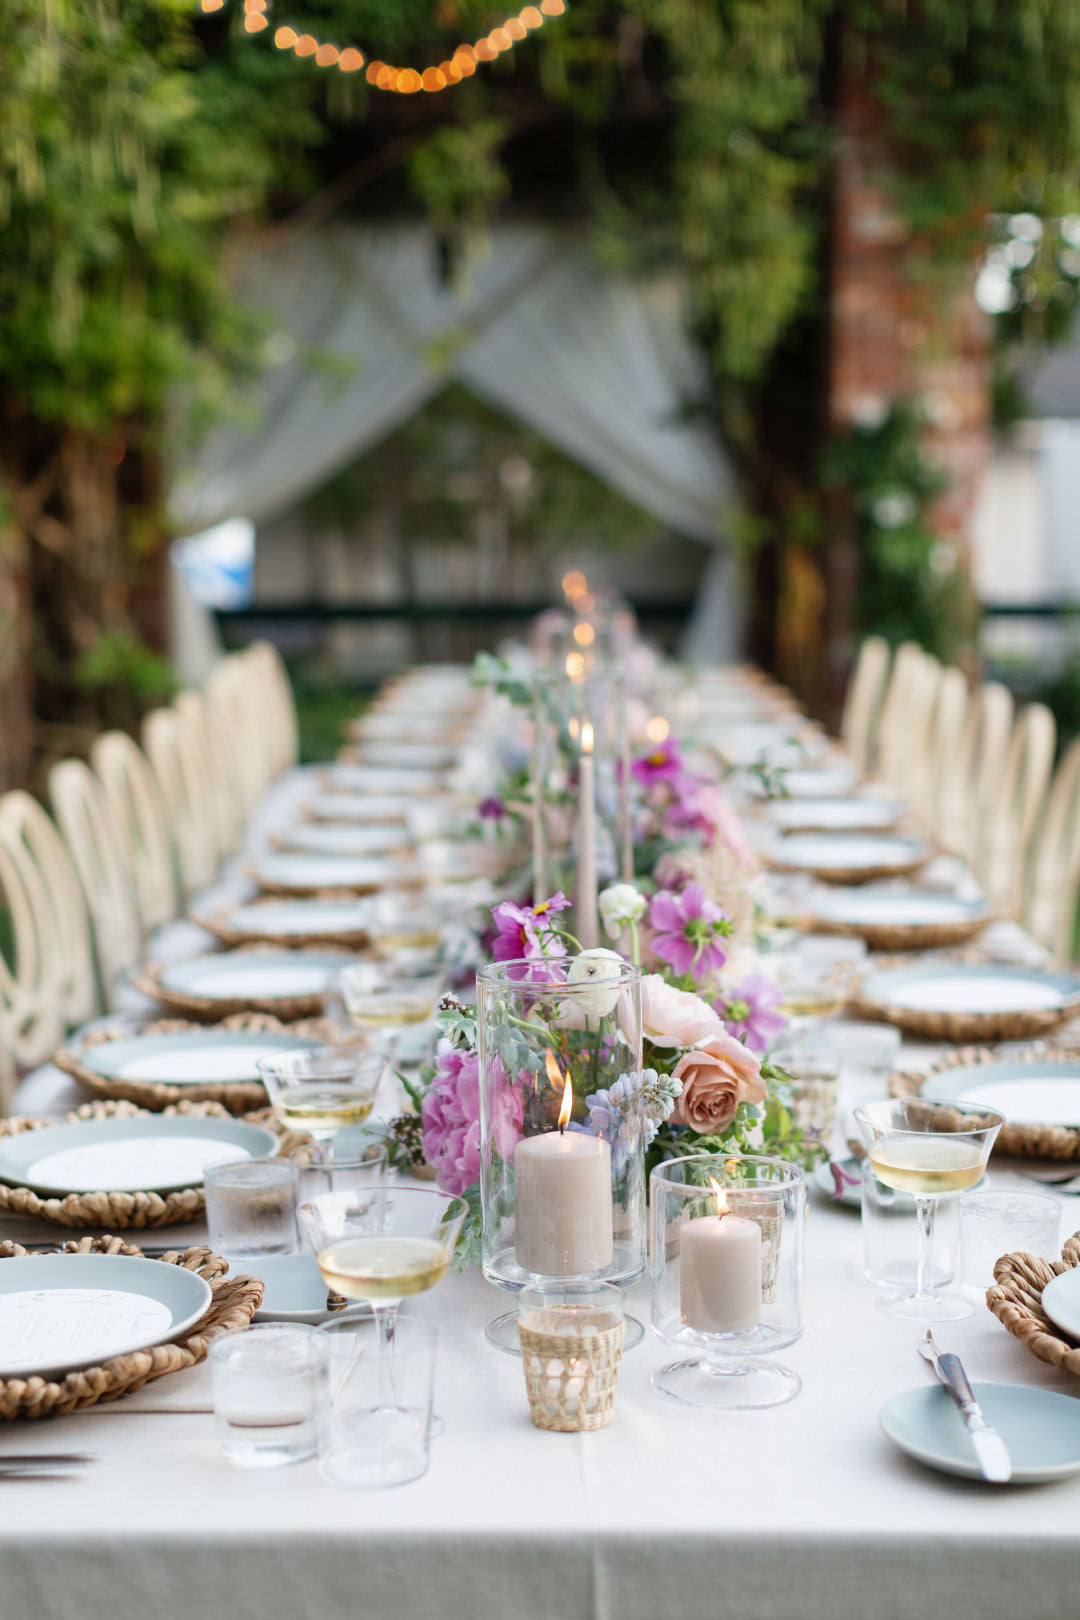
574 583
532 18
584 635
285 38
408 81
500 39
575 666
351 61
306 45
516 28
254 24
327 55
433 78
552 8
485 51
212 5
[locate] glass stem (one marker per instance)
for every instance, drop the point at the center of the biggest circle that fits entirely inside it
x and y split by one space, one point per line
385 1333
925 1211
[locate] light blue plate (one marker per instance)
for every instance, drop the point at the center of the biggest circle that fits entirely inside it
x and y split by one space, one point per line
53 1317
972 988
192 1057
1061 1302
254 975
1040 1428
294 1289
1027 1092
117 1154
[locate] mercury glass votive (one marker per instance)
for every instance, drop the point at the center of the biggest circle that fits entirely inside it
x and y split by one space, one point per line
726 1248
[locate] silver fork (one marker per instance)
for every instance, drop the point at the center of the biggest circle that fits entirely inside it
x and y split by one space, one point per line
43 1464
1067 1184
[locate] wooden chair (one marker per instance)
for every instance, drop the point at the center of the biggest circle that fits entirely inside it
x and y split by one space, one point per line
214 755
179 764
236 712
862 701
1010 811
946 739
48 875
94 837
903 739
968 785
31 1014
1053 889
272 678
138 810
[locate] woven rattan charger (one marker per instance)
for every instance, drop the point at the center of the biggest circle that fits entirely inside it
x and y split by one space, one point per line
1017 1141
212 1009
1016 1301
345 939
122 1211
1009 1024
238 1096
234 1301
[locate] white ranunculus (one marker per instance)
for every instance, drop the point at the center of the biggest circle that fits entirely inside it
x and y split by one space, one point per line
621 905
590 975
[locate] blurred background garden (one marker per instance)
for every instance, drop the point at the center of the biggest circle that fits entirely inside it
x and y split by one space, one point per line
354 323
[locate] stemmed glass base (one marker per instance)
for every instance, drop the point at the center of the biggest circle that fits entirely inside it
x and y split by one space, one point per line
726 1386
935 1306
502 1332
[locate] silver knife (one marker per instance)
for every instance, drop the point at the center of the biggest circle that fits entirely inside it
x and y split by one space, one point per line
991 1453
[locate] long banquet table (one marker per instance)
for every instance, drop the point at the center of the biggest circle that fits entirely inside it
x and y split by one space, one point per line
801 1512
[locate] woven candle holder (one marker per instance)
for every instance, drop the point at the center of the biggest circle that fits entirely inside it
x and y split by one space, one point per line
571 1376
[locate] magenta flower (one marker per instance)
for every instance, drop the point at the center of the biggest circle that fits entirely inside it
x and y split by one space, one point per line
525 931
450 1120
749 1012
661 764
688 931
492 809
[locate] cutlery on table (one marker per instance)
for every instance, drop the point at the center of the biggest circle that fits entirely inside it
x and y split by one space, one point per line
42 1465
1063 1184
990 1450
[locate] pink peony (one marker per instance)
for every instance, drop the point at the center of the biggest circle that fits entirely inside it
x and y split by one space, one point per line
671 1017
450 1120
716 1078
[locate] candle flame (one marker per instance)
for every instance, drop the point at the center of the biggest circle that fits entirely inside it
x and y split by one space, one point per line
720 1196
584 635
657 729
573 726
587 737
576 666
567 1105
554 1073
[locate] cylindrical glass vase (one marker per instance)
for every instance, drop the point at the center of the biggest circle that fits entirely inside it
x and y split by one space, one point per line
726 1260
581 779
562 1124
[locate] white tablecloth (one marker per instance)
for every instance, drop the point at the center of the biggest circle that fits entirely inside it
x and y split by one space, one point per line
802 1512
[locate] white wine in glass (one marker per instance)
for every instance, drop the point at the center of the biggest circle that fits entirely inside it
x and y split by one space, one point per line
927 1165
321 1108
383 1267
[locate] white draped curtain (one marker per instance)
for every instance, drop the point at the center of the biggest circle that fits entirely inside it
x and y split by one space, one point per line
364 330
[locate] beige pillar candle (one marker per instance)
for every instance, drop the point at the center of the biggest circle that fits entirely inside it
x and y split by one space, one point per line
720 1274
588 920
563 1216
539 877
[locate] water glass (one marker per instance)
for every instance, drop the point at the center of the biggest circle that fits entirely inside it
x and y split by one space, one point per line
270 1394
251 1207
890 1235
811 1090
379 1429
342 1166
1003 1222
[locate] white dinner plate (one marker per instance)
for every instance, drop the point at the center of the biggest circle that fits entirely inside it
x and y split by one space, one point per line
189 1057
304 870
1061 1302
958 987
839 852
1026 1093
323 838
835 815
872 907
380 780
377 809
405 755
62 1311
299 919
255 975
154 1153
818 782
1040 1428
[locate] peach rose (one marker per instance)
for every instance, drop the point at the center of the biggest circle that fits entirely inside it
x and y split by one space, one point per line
671 1017
716 1077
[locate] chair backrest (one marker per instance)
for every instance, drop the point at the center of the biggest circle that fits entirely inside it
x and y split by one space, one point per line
862 700
272 679
215 752
903 740
96 842
946 739
968 784
138 811
49 876
1006 825
179 764
1054 877
236 714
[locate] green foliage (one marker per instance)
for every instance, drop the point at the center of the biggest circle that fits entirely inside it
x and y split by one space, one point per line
119 662
911 586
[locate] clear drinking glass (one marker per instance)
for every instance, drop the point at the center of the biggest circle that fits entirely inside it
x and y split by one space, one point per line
251 1207
994 1223
340 1166
726 1260
890 1235
270 1392
323 1091
812 1089
379 1431
391 995
927 1148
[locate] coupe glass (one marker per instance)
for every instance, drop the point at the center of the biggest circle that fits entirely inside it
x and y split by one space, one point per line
382 1246
323 1091
928 1149
391 995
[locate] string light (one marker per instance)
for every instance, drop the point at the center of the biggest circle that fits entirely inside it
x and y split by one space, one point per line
402 81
